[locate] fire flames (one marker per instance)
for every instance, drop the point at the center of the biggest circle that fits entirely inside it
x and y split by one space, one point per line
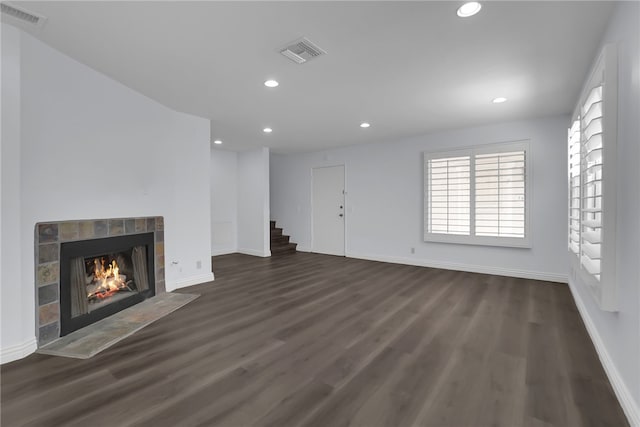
105 281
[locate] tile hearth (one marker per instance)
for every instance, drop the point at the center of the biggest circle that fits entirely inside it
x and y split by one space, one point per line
91 340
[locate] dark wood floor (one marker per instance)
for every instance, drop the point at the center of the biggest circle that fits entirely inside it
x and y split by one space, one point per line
315 340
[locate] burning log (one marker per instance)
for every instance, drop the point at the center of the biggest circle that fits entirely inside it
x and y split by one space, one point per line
104 282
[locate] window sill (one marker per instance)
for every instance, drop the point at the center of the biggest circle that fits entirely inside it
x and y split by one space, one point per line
507 242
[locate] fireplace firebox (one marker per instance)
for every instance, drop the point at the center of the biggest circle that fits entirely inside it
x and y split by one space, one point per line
100 277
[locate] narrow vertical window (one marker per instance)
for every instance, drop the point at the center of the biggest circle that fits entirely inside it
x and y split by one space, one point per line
591 124
592 182
448 195
574 187
500 194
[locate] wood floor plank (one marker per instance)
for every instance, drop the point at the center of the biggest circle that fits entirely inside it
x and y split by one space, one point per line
292 410
399 401
316 340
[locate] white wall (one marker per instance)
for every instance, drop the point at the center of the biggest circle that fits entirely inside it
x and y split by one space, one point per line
224 201
253 202
617 335
240 202
17 338
384 184
93 148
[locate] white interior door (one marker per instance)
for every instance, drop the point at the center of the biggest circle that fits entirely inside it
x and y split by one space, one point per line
328 210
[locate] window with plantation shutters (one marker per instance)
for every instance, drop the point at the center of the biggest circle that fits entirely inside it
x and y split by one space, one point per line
478 195
591 171
574 186
592 176
500 194
448 195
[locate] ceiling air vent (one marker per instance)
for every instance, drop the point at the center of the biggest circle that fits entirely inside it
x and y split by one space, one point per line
301 51
20 15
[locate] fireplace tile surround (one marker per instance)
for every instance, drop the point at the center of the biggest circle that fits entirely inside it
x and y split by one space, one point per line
48 239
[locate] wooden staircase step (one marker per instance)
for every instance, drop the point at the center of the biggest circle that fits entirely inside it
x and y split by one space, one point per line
279 239
275 232
284 249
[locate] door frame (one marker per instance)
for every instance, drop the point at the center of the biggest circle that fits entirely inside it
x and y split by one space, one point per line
344 193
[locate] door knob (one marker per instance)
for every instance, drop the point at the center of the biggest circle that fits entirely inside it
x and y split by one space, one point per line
341 215
341 207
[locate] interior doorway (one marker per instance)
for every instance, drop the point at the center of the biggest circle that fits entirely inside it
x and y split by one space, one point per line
328 210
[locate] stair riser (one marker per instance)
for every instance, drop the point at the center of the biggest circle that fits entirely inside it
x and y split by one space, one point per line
280 244
283 251
279 240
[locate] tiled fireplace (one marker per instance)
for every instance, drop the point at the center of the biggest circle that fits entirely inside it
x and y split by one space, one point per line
87 270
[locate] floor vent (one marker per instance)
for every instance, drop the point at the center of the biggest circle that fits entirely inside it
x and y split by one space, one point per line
23 16
301 51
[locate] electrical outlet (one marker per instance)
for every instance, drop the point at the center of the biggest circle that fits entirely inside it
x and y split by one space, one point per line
198 264
413 250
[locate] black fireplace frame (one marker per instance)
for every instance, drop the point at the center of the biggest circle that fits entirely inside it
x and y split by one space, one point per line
94 248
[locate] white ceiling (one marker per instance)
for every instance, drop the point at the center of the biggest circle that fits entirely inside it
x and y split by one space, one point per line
408 68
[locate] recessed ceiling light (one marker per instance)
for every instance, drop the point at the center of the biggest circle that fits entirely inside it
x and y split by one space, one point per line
469 9
271 83
267 130
499 100
364 125
217 142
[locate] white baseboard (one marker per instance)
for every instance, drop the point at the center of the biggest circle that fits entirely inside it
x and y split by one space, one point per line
629 406
18 351
254 252
190 281
498 271
223 251
303 248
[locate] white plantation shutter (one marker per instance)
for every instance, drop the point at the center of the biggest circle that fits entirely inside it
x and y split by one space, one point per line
448 195
478 196
574 187
591 169
500 194
592 182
